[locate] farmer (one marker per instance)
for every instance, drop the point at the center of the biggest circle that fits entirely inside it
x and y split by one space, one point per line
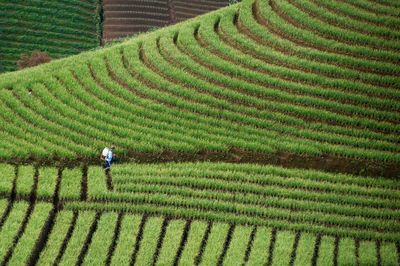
107 155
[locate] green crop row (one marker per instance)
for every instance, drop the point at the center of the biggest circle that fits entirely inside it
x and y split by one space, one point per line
201 98
330 32
289 28
267 16
247 91
237 44
353 12
330 16
160 240
378 8
245 197
183 59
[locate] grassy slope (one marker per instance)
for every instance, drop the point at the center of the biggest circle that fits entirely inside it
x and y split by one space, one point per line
256 77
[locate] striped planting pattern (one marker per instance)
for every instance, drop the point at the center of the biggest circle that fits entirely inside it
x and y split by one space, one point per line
238 79
60 28
199 213
124 18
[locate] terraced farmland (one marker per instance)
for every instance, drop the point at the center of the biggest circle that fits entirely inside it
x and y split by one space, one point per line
60 28
196 213
237 84
216 121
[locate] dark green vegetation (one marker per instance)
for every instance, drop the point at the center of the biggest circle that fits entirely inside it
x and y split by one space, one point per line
60 28
196 213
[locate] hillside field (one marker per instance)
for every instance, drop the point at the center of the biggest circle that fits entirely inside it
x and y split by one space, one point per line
263 133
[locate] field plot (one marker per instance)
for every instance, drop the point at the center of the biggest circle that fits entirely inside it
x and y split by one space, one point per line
127 17
188 9
60 28
200 214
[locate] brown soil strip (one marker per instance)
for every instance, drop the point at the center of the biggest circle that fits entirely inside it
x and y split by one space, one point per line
114 241
88 239
336 251
262 21
183 242
378 252
324 162
227 242
316 250
160 240
357 251
294 248
56 196
84 180
43 237
271 247
199 256
249 246
138 240
66 239
329 21
109 180
294 23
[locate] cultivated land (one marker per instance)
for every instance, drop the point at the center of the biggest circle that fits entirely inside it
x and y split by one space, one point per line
127 17
196 213
60 28
257 89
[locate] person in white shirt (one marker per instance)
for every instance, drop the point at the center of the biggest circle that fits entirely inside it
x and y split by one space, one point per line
107 156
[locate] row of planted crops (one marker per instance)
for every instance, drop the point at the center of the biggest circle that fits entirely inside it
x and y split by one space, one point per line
196 213
232 78
59 28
